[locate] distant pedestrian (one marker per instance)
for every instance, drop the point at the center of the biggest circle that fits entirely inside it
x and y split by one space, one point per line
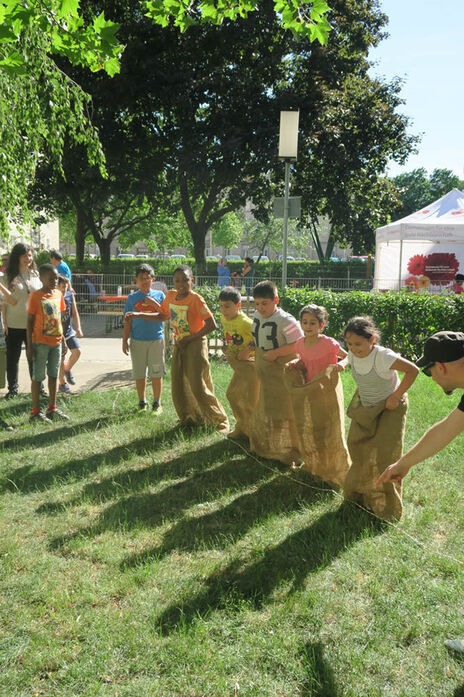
223 273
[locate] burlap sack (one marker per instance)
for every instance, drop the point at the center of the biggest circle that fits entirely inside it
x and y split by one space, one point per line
192 388
318 409
242 393
273 429
375 440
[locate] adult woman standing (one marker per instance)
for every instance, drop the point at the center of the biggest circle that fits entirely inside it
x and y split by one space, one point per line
248 274
223 273
21 279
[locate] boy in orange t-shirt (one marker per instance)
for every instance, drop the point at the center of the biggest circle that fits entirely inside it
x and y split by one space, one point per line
191 385
44 338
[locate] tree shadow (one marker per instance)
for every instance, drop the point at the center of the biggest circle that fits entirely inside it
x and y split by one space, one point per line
320 678
53 435
276 494
151 509
134 480
26 478
304 552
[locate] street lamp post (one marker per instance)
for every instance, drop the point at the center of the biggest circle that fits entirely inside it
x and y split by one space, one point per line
288 151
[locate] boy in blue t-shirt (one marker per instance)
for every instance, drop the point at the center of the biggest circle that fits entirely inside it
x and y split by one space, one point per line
146 343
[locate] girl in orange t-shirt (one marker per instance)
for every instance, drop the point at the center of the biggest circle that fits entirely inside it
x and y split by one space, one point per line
191 385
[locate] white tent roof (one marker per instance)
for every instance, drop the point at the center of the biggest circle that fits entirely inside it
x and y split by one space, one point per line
442 220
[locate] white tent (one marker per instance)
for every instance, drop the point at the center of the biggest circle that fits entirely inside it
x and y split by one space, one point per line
424 250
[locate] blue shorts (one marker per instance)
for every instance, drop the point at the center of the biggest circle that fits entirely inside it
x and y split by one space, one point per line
72 342
45 357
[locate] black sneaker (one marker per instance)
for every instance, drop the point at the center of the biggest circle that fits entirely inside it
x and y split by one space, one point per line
53 414
40 416
42 391
157 408
5 426
143 404
11 394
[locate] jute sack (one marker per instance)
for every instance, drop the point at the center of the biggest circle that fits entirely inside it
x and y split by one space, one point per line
318 409
192 388
375 440
243 392
273 430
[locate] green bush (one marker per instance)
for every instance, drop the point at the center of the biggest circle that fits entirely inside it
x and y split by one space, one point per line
404 319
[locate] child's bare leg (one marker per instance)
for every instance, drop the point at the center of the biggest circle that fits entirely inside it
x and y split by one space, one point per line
141 386
62 369
157 386
35 389
51 392
73 358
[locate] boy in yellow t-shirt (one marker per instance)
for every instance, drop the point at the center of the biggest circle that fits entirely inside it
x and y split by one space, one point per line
243 389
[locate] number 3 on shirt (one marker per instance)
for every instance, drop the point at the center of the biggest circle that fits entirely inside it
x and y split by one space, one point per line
269 337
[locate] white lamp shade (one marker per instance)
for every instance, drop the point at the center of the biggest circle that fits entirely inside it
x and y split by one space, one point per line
288 136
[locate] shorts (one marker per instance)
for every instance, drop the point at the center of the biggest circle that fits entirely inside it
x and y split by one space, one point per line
48 357
147 359
72 342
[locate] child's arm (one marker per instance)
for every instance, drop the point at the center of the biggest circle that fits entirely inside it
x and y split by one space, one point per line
76 318
341 365
284 350
7 296
157 316
209 326
126 333
410 373
29 328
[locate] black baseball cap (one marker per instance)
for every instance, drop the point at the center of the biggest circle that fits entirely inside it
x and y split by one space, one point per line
444 347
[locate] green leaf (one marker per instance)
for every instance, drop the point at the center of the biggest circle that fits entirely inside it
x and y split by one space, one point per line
14 64
67 8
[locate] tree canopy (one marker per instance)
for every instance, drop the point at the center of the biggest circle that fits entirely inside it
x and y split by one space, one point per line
416 189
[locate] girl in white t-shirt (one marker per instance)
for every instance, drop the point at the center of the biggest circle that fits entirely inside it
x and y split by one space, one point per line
378 416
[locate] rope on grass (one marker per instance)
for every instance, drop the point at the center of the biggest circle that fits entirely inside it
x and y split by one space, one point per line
395 526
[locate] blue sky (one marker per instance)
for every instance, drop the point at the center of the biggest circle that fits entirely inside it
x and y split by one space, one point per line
426 48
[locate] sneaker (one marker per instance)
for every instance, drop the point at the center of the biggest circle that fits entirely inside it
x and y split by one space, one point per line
57 414
5 426
42 391
456 645
70 377
11 394
64 388
143 404
157 408
40 416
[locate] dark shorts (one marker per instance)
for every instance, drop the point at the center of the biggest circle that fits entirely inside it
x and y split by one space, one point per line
72 343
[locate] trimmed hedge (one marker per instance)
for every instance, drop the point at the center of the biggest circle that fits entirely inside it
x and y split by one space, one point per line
404 319
263 270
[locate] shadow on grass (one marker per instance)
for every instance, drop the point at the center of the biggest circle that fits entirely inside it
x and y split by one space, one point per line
48 434
134 480
459 691
151 509
320 680
26 479
290 561
275 495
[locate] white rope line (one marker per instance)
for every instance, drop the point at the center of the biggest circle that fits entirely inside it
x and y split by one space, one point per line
395 526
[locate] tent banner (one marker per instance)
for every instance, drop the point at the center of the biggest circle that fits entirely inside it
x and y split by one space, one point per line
425 266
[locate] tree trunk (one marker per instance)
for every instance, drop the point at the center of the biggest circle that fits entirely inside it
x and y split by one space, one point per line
199 245
104 247
80 235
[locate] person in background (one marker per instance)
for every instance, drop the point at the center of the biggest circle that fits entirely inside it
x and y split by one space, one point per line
21 279
56 258
223 273
71 336
458 281
248 274
44 338
5 258
5 296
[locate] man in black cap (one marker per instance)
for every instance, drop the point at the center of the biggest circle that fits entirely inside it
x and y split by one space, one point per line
443 360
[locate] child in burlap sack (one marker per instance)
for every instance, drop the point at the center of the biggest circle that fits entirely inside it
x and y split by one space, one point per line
191 384
378 417
316 392
273 430
243 389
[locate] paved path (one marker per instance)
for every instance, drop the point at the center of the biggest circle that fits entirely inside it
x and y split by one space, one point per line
101 365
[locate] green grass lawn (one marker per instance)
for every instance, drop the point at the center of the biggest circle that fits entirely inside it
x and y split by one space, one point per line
141 560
